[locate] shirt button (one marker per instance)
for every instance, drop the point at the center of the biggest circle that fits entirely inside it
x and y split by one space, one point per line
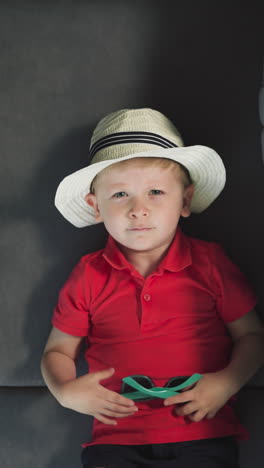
147 297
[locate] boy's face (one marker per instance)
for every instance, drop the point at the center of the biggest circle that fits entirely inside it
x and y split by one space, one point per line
141 205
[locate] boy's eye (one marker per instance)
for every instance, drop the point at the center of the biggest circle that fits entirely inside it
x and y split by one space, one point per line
119 194
156 192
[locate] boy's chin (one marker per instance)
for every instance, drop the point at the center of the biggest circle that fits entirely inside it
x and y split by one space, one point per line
140 246
134 247
137 246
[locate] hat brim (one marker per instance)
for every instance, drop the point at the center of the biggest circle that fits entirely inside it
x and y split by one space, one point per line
205 166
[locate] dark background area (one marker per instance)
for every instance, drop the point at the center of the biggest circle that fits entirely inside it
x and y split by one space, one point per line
63 66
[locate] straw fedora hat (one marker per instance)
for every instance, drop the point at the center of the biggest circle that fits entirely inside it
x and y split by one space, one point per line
138 133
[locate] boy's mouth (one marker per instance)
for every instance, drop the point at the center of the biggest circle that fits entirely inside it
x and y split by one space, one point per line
140 229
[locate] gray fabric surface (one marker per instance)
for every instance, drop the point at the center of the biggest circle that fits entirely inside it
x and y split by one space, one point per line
261 112
38 431
63 66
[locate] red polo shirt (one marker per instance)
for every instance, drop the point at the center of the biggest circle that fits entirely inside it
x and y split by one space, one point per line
169 324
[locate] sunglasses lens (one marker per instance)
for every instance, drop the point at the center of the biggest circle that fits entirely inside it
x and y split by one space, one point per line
141 379
176 381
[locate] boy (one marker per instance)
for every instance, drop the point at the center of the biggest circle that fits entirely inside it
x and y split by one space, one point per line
152 303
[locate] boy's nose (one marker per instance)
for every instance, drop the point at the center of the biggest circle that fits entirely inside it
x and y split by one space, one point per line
138 209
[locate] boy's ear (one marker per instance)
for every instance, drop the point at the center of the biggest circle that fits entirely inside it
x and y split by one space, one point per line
91 200
187 198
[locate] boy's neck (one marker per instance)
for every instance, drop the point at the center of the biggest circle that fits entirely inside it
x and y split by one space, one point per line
144 262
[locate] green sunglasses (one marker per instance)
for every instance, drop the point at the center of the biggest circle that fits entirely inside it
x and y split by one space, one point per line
141 387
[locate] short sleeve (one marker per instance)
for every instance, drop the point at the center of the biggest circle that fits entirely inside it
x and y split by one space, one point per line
235 296
71 314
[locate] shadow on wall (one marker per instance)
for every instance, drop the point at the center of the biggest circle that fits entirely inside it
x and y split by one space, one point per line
61 242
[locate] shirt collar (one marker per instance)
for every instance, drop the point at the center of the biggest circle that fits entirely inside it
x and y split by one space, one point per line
177 258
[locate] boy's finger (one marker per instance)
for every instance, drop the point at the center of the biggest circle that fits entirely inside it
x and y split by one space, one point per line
104 374
197 416
179 398
186 409
117 414
187 388
114 397
105 420
120 408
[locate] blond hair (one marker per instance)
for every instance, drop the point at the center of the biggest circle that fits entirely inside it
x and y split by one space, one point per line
163 163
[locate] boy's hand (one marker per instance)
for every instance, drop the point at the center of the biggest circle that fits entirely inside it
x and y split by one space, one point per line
86 395
204 399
